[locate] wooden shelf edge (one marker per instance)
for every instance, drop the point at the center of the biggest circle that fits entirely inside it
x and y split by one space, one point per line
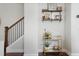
46 10
52 20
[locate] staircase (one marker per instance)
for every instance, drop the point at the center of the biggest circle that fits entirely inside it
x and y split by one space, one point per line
13 33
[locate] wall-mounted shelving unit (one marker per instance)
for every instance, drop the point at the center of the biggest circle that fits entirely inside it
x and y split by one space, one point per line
57 17
52 43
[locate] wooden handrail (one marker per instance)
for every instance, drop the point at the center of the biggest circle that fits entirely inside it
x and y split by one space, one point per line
6 40
16 22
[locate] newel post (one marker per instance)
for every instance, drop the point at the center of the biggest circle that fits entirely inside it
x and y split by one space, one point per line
6 40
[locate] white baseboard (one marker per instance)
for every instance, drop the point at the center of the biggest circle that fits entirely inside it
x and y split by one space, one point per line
74 54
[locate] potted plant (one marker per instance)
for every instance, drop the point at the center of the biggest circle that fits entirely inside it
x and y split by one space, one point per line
47 35
46 44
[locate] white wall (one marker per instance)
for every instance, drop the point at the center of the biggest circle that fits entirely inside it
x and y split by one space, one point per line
9 14
72 28
1 48
31 29
34 28
14 47
68 27
75 29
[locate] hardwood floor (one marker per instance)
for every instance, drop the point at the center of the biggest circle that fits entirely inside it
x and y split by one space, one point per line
14 54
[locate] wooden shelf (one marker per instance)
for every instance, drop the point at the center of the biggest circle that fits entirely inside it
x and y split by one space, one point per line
51 20
46 10
61 50
55 39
